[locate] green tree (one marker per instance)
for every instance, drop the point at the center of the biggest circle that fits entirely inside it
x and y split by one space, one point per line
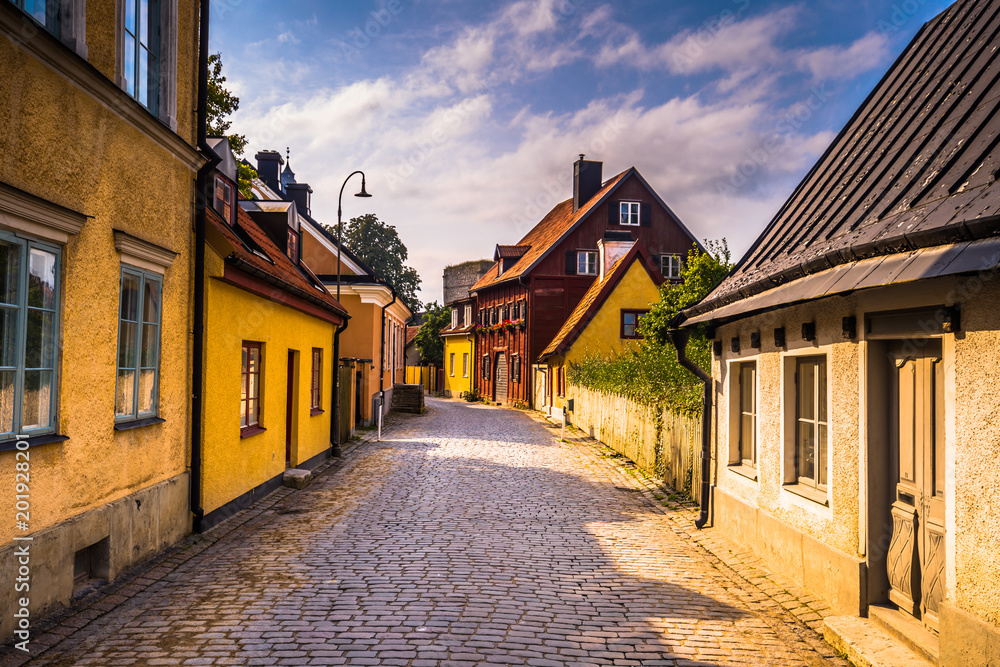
428 339
222 103
379 246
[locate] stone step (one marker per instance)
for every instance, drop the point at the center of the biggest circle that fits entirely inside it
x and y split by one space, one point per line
866 644
908 630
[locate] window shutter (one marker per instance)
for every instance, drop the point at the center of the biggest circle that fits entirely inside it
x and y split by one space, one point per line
645 215
570 262
614 213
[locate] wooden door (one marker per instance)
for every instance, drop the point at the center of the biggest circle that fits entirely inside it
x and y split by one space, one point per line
500 385
916 552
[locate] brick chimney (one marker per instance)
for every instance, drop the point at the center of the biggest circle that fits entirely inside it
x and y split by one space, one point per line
269 168
611 248
587 181
301 194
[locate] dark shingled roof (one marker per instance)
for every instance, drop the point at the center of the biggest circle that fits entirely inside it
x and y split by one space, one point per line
916 167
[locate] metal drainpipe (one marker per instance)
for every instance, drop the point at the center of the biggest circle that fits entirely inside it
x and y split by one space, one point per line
335 403
381 370
680 340
201 199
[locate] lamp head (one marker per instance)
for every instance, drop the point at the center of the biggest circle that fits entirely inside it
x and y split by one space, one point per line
363 193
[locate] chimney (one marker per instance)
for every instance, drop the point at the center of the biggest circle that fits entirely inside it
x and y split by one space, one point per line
586 181
301 194
611 248
269 168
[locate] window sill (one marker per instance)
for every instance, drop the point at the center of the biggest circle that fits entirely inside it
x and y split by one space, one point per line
809 493
138 423
33 441
744 470
251 431
315 411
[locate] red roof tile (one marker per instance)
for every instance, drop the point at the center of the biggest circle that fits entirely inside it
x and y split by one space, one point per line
411 333
547 233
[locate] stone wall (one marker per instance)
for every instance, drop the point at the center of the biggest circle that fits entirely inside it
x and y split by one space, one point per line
458 279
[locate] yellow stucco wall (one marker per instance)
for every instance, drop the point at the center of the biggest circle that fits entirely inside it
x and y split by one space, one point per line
455 384
69 149
232 465
602 335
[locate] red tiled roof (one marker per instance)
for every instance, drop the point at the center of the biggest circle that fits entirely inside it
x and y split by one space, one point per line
547 233
510 252
277 265
597 295
411 333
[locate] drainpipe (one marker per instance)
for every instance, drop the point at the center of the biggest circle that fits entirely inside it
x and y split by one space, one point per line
201 199
680 340
335 403
381 370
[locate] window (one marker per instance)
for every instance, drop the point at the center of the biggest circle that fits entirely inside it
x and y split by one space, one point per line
810 422
29 296
524 310
629 213
45 12
465 364
670 266
451 364
250 395
468 316
630 323
516 367
486 367
747 429
224 199
293 245
586 262
316 390
454 318
138 344
141 52
561 382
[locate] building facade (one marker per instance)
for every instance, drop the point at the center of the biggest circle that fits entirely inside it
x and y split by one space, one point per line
96 213
856 440
533 286
460 334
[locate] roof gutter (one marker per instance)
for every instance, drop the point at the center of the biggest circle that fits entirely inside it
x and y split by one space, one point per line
679 337
288 287
201 202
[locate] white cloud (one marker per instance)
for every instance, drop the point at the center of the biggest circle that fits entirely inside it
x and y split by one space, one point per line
838 62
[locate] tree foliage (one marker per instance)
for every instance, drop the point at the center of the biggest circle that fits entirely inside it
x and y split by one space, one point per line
428 339
649 373
378 245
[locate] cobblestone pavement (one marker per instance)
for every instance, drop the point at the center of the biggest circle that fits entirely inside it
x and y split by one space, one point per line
470 535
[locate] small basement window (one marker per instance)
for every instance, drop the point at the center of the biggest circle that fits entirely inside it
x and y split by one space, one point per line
91 567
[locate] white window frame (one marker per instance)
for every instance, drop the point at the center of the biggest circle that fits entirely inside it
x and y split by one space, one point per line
671 266
468 316
628 213
166 110
794 493
454 318
465 364
451 364
143 277
737 463
586 262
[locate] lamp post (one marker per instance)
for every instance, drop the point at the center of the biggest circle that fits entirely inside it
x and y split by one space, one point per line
363 193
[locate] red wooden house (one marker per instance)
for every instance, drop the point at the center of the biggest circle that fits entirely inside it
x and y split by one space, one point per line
534 285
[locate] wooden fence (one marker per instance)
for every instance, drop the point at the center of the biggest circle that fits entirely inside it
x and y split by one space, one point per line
669 447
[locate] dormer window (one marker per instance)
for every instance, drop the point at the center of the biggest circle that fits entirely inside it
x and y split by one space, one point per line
224 199
293 245
629 213
454 318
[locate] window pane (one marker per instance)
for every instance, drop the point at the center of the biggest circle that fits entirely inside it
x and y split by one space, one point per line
142 82
747 388
807 450
125 397
747 438
149 339
8 337
42 279
143 22
130 64
244 366
126 345
7 401
147 391
151 302
37 399
821 389
806 383
252 387
130 298
624 213
39 345
130 16
9 270
243 413
254 360
821 454
252 410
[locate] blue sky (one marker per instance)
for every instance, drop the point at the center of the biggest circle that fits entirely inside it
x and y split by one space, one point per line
467 116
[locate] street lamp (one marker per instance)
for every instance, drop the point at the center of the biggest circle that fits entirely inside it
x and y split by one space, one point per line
363 193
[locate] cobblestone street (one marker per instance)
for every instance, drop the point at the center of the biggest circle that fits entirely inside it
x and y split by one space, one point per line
470 535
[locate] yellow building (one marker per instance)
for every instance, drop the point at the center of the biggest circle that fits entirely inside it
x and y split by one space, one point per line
459 349
96 201
606 320
268 341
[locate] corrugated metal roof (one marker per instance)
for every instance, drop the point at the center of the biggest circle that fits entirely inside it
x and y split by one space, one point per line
916 167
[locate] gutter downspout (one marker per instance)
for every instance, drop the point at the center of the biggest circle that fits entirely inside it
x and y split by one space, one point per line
680 340
381 370
201 201
335 404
